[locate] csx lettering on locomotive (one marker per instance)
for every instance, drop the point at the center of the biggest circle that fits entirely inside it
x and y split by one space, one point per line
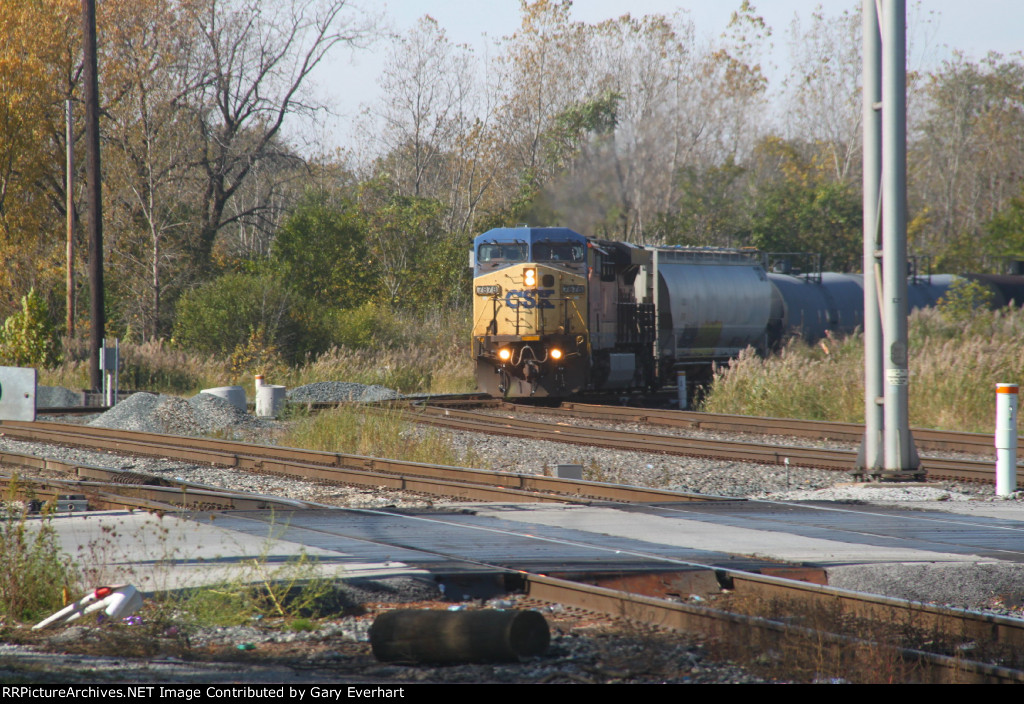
529 299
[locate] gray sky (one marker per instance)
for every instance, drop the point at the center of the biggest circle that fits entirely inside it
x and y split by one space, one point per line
350 79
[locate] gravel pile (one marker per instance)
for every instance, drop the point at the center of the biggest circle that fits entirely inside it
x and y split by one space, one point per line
337 391
57 397
153 413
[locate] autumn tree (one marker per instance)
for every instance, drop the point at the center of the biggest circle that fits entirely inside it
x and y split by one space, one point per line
251 65
38 62
150 196
824 89
541 72
964 162
795 206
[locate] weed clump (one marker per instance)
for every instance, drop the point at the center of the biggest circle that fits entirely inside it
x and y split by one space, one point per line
384 433
34 572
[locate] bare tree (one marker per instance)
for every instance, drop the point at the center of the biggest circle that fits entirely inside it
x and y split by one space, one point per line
824 87
427 83
150 145
251 62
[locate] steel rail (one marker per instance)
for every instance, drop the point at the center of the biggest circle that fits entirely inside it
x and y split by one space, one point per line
823 458
437 480
926 438
112 488
103 495
753 631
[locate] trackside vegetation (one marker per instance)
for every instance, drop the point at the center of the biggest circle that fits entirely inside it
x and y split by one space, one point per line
957 356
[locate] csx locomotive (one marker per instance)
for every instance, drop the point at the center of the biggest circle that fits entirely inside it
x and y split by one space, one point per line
556 313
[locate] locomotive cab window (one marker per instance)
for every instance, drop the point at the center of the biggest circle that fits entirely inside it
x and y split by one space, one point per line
502 252
558 252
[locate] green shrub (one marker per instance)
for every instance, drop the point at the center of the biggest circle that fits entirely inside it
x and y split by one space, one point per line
220 316
369 325
28 338
963 298
317 232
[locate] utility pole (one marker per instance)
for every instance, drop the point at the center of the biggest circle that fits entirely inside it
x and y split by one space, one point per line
93 193
70 207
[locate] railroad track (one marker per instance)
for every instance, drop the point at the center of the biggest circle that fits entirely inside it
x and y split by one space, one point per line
652 611
357 470
823 458
925 438
758 636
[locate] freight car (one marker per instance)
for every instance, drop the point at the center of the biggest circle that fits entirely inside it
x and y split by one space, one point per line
556 313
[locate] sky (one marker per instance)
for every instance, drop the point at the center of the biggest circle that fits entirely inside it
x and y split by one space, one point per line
348 81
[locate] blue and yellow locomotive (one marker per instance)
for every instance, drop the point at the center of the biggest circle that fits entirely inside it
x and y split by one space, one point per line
555 313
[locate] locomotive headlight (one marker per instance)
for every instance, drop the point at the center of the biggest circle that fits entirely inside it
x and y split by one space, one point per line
530 278
556 353
504 354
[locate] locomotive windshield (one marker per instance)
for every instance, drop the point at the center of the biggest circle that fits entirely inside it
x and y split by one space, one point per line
502 251
549 251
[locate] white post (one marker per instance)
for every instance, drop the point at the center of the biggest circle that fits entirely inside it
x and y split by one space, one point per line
1006 439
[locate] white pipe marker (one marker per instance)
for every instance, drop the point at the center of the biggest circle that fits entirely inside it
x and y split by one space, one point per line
1006 439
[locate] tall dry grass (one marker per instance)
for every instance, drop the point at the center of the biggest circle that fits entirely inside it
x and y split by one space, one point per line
955 364
409 353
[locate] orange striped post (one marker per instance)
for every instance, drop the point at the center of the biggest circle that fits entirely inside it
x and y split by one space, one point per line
1006 439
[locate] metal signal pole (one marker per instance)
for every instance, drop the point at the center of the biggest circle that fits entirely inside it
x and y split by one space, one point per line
886 359
871 450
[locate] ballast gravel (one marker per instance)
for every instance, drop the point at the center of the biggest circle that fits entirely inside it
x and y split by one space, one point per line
338 391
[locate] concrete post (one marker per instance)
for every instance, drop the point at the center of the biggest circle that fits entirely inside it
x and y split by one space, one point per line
681 389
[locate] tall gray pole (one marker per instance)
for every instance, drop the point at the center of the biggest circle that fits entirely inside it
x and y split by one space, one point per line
871 450
900 456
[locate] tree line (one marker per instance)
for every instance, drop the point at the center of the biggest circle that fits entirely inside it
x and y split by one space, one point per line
636 128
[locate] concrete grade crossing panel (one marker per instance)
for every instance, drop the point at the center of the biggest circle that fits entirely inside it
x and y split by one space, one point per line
17 393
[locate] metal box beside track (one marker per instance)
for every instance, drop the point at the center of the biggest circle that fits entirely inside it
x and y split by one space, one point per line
17 393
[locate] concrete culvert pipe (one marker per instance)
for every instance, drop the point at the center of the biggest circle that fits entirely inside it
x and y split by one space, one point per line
235 395
270 400
458 636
